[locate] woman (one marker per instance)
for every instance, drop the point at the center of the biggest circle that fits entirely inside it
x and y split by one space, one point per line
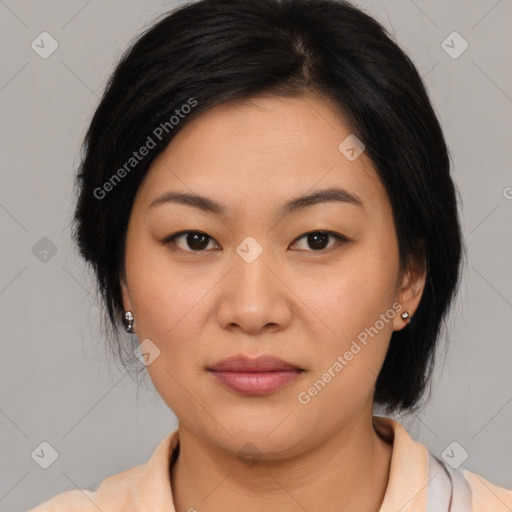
266 201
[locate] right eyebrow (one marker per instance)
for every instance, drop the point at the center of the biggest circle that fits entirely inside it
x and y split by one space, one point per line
203 203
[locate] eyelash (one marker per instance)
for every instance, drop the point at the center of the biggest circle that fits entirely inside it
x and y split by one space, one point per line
339 238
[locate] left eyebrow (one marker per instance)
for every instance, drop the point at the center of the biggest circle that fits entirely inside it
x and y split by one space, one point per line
333 194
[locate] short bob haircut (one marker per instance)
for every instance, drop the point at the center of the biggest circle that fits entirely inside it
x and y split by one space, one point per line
208 52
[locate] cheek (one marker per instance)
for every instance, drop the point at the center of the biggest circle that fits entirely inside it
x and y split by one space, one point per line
355 303
358 291
348 361
168 308
169 312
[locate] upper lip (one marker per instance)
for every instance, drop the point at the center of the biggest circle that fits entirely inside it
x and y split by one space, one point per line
242 363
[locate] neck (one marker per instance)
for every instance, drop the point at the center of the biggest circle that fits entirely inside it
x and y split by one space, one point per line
349 469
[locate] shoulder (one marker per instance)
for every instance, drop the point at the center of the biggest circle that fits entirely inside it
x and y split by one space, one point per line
488 497
146 484
412 464
113 492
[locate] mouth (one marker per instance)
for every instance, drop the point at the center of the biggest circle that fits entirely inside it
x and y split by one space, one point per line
260 376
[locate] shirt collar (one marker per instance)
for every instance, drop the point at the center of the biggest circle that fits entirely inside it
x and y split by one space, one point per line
407 489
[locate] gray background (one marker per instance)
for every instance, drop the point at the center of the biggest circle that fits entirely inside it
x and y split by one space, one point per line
57 384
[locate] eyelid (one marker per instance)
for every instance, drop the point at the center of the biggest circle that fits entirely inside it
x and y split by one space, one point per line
340 239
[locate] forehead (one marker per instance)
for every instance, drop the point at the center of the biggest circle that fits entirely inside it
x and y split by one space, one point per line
263 149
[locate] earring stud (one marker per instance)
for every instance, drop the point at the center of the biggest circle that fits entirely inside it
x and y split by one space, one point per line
405 316
128 321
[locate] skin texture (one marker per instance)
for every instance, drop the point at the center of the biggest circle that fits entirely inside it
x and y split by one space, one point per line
303 305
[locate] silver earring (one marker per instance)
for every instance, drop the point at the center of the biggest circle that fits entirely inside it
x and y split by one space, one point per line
128 321
405 316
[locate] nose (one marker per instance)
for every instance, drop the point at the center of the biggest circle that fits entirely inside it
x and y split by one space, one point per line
254 297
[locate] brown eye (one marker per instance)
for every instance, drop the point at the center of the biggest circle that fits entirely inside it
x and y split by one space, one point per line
191 241
319 240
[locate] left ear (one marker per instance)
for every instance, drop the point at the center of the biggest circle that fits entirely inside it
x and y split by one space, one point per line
412 286
125 295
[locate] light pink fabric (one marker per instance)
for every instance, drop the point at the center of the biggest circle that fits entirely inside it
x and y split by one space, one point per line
147 488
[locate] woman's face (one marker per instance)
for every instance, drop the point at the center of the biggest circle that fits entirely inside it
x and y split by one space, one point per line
257 279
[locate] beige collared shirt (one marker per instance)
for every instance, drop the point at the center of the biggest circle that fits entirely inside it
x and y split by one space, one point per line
147 488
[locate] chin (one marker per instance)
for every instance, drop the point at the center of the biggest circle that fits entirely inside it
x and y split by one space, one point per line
266 435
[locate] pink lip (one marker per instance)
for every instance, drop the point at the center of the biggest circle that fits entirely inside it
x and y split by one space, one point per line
258 376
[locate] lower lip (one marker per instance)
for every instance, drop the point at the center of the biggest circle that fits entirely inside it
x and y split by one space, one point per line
256 383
